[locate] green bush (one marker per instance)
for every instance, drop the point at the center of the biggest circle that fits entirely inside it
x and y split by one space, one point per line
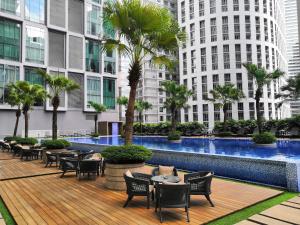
225 134
12 138
56 144
126 154
27 141
174 136
95 135
264 138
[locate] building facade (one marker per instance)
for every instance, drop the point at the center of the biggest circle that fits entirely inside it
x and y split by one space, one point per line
223 34
61 37
292 17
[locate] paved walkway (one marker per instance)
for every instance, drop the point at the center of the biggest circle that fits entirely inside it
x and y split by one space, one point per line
285 213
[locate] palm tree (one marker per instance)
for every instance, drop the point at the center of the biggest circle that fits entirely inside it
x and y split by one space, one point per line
290 91
261 77
140 107
144 32
225 95
177 97
122 100
30 95
99 108
14 99
58 85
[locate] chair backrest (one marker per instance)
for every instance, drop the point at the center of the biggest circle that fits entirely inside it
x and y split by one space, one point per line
173 194
17 148
81 156
200 181
88 165
135 185
155 171
199 174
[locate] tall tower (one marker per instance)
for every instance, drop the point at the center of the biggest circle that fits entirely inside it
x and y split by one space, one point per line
223 34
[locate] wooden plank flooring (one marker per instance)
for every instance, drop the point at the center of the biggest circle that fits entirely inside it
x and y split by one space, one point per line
54 200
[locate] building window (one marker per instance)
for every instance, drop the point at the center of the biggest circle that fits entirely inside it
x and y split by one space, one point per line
182 11
10 36
250 86
93 25
249 53
259 58
270 110
184 42
110 62
33 77
192 34
213 29
269 90
248 27
239 81
272 31
195 113
256 5
228 106
237 32
8 74
236 6
186 114
194 88
184 63
35 45
267 57
238 56
251 111
273 58
204 88
262 109
247 5
266 29
93 92
215 80
265 6
226 56
203 59
92 59
271 7
201 7
212 4
214 57
257 25
224 6
161 109
109 98
191 6
10 6
217 113
35 10
227 78
241 111
193 60
225 28
202 32
205 115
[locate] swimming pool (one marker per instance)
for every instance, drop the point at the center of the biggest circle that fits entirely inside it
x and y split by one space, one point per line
233 158
285 150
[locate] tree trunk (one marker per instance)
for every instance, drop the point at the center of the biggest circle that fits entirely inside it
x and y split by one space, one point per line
130 115
26 122
96 120
173 120
225 118
18 114
257 106
141 128
55 104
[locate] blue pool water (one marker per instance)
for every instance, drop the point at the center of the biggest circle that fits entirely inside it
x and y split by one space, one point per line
285 150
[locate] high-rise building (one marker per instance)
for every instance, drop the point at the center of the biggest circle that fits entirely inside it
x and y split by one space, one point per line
223 34
62 37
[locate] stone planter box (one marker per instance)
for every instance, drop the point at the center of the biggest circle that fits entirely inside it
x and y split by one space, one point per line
114 179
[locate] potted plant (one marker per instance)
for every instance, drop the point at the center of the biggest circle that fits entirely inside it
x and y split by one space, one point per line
54 145
266 139
174 136
119 159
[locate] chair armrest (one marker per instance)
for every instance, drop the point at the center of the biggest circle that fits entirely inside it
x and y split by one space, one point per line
142 176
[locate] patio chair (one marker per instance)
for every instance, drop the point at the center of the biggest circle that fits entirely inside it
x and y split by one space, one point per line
17 150
89 167
27 154
200 184
138 185
51 158
157 170
82 155
68 164
6 146
172 196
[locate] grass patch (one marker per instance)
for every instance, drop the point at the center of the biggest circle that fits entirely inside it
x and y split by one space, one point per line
252 210
5 214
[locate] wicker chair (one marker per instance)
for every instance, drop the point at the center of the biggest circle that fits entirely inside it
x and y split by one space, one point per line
200 184
155 171
50 159
17 150
6 146
82 155
172 196
68 164
139 185
89 167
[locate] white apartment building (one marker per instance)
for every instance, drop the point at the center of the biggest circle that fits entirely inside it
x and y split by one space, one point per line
292 17
223 34
62 37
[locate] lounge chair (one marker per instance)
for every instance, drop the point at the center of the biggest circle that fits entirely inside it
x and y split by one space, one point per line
68 164
200 183
50 159
89 167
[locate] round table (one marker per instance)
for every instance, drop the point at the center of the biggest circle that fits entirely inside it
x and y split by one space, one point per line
169 179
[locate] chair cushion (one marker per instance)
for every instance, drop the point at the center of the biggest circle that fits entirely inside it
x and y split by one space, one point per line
151 188
165 170
128 173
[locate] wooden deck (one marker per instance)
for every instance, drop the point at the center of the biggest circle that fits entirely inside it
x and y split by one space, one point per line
49 199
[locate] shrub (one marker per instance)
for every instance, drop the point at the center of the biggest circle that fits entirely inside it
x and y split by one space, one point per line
95 135
27 141
56 144
126 154
264 138
174 136
11 138
225 134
